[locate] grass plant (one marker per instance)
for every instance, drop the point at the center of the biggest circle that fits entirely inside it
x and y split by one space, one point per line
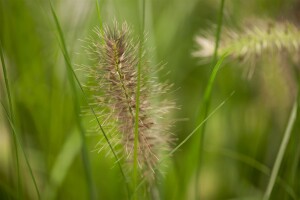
97 119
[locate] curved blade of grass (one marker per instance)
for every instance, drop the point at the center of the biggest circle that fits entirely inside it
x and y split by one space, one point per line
16 135
218 33
200 125
256 165
137 107
6 80
296 161
99 15
65 158
281 151
186 139
72 74
12 117
85 157
207 95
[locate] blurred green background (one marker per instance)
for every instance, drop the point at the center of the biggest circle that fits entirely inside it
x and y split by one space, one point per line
242 138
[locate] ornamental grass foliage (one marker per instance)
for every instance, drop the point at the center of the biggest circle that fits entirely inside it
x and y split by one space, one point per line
240 139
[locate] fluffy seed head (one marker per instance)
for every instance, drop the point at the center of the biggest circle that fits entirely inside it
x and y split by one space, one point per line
114 89
255 39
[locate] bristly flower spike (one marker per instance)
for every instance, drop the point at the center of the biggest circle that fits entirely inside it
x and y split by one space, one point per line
258 38
114 90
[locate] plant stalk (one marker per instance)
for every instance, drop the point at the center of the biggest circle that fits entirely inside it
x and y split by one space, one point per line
207 98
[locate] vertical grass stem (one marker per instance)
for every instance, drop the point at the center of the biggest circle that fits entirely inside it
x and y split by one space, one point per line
283 146
207 97
7 87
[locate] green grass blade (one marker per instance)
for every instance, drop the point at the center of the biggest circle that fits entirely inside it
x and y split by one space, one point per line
281 151
22 149
296 146
6 80
207 95
63 162
85 157
99 15
7 87
71 72
218 33
200 125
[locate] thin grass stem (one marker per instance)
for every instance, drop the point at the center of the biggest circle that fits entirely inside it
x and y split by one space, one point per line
72 73
281 151
295 163
62 164
16 135
287 134
207 97
99 15
85 157
7 87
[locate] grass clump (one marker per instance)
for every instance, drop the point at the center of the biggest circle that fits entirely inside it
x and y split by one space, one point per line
246 150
